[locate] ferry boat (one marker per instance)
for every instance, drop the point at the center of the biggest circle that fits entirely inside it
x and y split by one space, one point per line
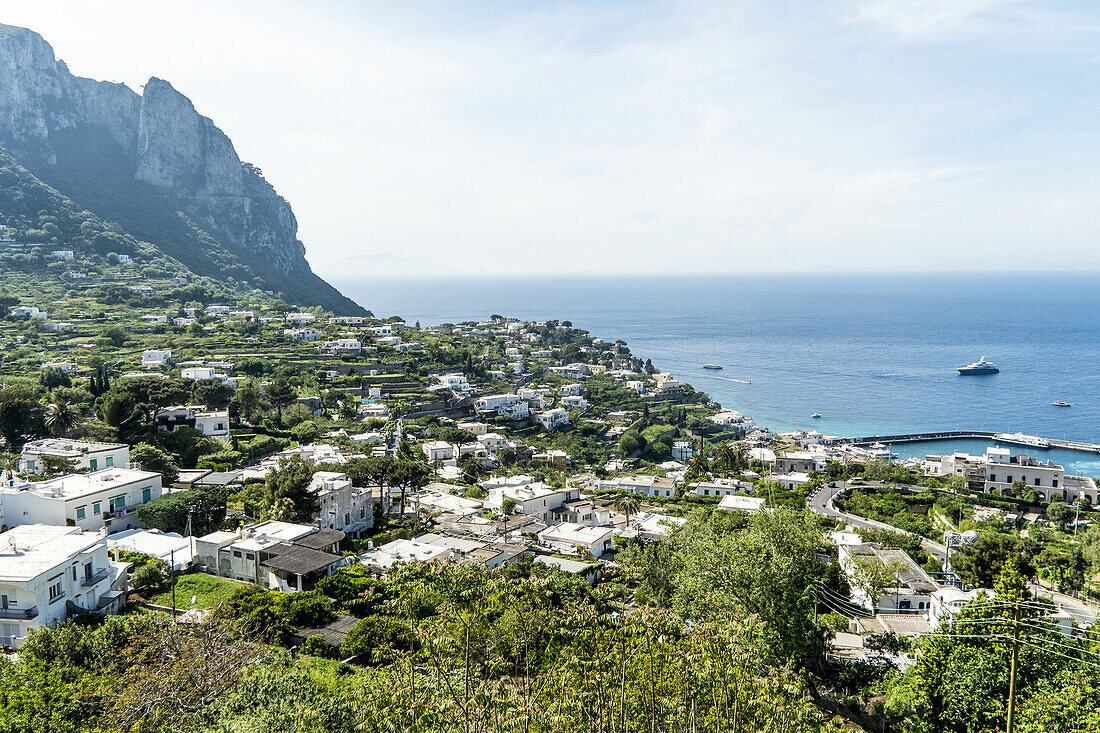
816 415
1059 403
712 365
981 366
1029 441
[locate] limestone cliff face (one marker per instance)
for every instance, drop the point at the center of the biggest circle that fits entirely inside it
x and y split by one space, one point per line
165 142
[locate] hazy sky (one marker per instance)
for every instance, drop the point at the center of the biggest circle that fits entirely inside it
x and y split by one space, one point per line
641 136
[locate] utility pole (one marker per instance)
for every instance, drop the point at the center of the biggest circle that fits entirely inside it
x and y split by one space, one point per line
1012 667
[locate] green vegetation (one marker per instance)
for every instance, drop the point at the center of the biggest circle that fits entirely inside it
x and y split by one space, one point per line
209 591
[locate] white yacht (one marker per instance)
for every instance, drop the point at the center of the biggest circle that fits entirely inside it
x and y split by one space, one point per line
981 366
1029 441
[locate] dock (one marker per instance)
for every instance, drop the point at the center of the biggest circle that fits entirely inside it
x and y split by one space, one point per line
1075 445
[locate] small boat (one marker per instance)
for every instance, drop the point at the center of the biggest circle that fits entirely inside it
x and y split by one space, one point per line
712 365
816 415
981 366
1059 403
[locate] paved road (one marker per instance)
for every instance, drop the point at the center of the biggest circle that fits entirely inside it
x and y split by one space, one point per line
821 502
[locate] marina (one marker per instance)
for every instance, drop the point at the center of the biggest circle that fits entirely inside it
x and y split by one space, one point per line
1073 445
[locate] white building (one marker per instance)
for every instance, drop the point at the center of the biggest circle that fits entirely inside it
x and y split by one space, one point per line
438 450
578 538
90 501
211 423
454 382
721 487
912 587
1003 470
156 358
789 481
537 500
86 455
550 419
571 390
207 372
342 506
342 346
275 555
653 486
48 573
65 367
302 334
503 404
494 442
27 312
300 319
574 402
388 556
796 461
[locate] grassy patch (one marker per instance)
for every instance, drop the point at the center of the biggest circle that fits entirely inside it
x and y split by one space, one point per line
208 591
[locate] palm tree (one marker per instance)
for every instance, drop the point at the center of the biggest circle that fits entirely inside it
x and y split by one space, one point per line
699 465
627 504
727 456
60 418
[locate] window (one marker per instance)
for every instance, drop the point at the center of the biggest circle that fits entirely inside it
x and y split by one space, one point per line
362 512
236 553
347 518
55 589
146 495
80 512
110 461
93 463
1008 479
1054 483
32 466
250 556
992 477
74 573
118 502
96 508
1038 481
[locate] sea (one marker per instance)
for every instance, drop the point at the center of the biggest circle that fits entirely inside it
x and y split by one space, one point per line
874 354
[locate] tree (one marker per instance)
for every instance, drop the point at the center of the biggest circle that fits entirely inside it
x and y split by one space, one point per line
152 458
21 417
627 504
306 432
212 393
60 418
281 395
873 577
290 482
52 378
249 401
980 562
631 443
409 476
205 506
1059 513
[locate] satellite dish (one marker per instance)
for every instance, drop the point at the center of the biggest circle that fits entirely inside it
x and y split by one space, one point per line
969 536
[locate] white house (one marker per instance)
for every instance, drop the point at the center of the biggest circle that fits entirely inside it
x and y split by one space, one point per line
211 423
27 312
302 334
789 481
342 346
156 358
494 442
537 500
91 501
721 487
300 319
503 404
1003 469
571 390
643 485
574 402
454 382
388 556
578 538
86 455
48 573
912 587
550 419
438 450
66 367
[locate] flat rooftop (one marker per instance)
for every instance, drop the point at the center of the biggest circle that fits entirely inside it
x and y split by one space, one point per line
30 550
77 485
68 448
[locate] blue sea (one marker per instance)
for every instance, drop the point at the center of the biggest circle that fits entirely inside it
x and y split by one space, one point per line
873 353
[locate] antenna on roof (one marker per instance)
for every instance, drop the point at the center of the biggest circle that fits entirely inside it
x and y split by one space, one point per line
11 541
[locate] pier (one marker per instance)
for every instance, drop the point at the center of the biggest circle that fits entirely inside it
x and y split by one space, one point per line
1076 445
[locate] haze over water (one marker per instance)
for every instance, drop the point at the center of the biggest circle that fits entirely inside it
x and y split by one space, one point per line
874 353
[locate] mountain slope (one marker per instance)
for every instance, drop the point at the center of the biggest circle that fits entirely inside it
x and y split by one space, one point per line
154 165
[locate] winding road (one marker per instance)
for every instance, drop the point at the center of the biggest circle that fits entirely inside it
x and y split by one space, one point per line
821 502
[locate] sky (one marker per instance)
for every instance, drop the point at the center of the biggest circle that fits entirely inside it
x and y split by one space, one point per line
507 136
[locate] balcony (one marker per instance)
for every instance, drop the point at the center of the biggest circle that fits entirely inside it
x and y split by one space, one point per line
95 577
22 614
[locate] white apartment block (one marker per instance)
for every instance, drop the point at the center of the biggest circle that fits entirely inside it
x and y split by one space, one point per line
48 573
1004 469
86 455
655 486
578 538
537 500
550 419
106 499
155 357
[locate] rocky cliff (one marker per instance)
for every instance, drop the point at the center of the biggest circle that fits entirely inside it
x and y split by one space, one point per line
153 163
